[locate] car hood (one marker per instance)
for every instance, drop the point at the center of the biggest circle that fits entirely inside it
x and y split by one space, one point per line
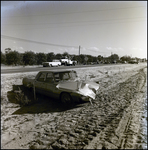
83 87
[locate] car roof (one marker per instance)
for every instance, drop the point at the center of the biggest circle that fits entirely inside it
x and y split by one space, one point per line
58 71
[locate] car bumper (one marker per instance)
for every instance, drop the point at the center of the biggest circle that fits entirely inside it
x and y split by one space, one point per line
79 97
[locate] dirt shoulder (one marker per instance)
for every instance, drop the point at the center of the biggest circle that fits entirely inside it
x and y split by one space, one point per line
123 130
105 124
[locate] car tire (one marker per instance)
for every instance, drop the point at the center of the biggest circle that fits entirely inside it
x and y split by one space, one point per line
65 63
65 98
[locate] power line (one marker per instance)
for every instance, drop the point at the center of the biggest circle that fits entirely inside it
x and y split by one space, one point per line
77 12
36 42
81 21
89 23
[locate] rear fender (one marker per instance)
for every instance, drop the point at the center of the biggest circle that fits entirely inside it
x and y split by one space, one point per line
28 82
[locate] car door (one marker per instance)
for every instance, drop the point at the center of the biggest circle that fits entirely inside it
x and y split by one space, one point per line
40 86
49 85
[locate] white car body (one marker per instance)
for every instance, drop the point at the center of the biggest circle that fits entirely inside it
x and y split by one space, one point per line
52 64
67 62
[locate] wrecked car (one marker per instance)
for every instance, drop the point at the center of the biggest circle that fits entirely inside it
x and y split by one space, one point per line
64 85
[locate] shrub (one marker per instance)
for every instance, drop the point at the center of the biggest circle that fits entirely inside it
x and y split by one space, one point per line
21 98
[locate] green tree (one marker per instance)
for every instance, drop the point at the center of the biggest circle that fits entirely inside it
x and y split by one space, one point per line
100 58
12 58
71 57
90 59
50 56
81 59
114 58
21 59
58 56
7 50
3 58
41 57
29 58
65 55
94 59
125 58
76 58
137 59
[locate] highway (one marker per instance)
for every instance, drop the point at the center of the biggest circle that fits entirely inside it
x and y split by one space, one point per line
34 69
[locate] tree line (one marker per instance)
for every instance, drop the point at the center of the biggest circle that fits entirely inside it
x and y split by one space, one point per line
31 58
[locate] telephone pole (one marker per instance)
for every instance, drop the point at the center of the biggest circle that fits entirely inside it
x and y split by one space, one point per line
79 55
79 50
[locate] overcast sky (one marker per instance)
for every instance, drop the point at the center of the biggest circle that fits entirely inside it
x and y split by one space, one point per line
99 27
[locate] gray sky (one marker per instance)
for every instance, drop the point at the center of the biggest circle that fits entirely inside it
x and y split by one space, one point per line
99 27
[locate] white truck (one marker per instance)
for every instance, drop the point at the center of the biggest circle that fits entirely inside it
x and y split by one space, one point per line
67 62
55 62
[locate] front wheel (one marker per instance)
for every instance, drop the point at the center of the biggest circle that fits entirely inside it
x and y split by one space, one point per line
66 98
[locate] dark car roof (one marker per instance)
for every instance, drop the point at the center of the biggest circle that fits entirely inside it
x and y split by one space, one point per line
58 71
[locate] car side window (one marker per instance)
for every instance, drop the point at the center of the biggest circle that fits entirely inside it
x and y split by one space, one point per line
57 77
66 76
49 78
42 77
73 75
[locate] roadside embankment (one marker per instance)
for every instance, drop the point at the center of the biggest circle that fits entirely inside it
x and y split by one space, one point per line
112 122
126 131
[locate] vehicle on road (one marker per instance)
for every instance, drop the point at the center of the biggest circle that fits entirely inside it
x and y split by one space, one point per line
63 85
133 62
55 62
68 62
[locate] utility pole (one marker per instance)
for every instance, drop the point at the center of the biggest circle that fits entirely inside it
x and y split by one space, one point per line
79 55
79 50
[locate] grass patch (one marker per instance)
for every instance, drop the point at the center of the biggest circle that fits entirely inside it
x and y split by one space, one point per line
21 95
21 98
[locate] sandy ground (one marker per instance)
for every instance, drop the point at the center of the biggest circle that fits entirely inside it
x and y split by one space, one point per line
117 119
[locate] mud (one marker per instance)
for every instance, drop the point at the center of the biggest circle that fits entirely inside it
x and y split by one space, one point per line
112 122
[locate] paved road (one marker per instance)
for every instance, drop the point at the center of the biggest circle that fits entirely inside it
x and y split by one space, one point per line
23 69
